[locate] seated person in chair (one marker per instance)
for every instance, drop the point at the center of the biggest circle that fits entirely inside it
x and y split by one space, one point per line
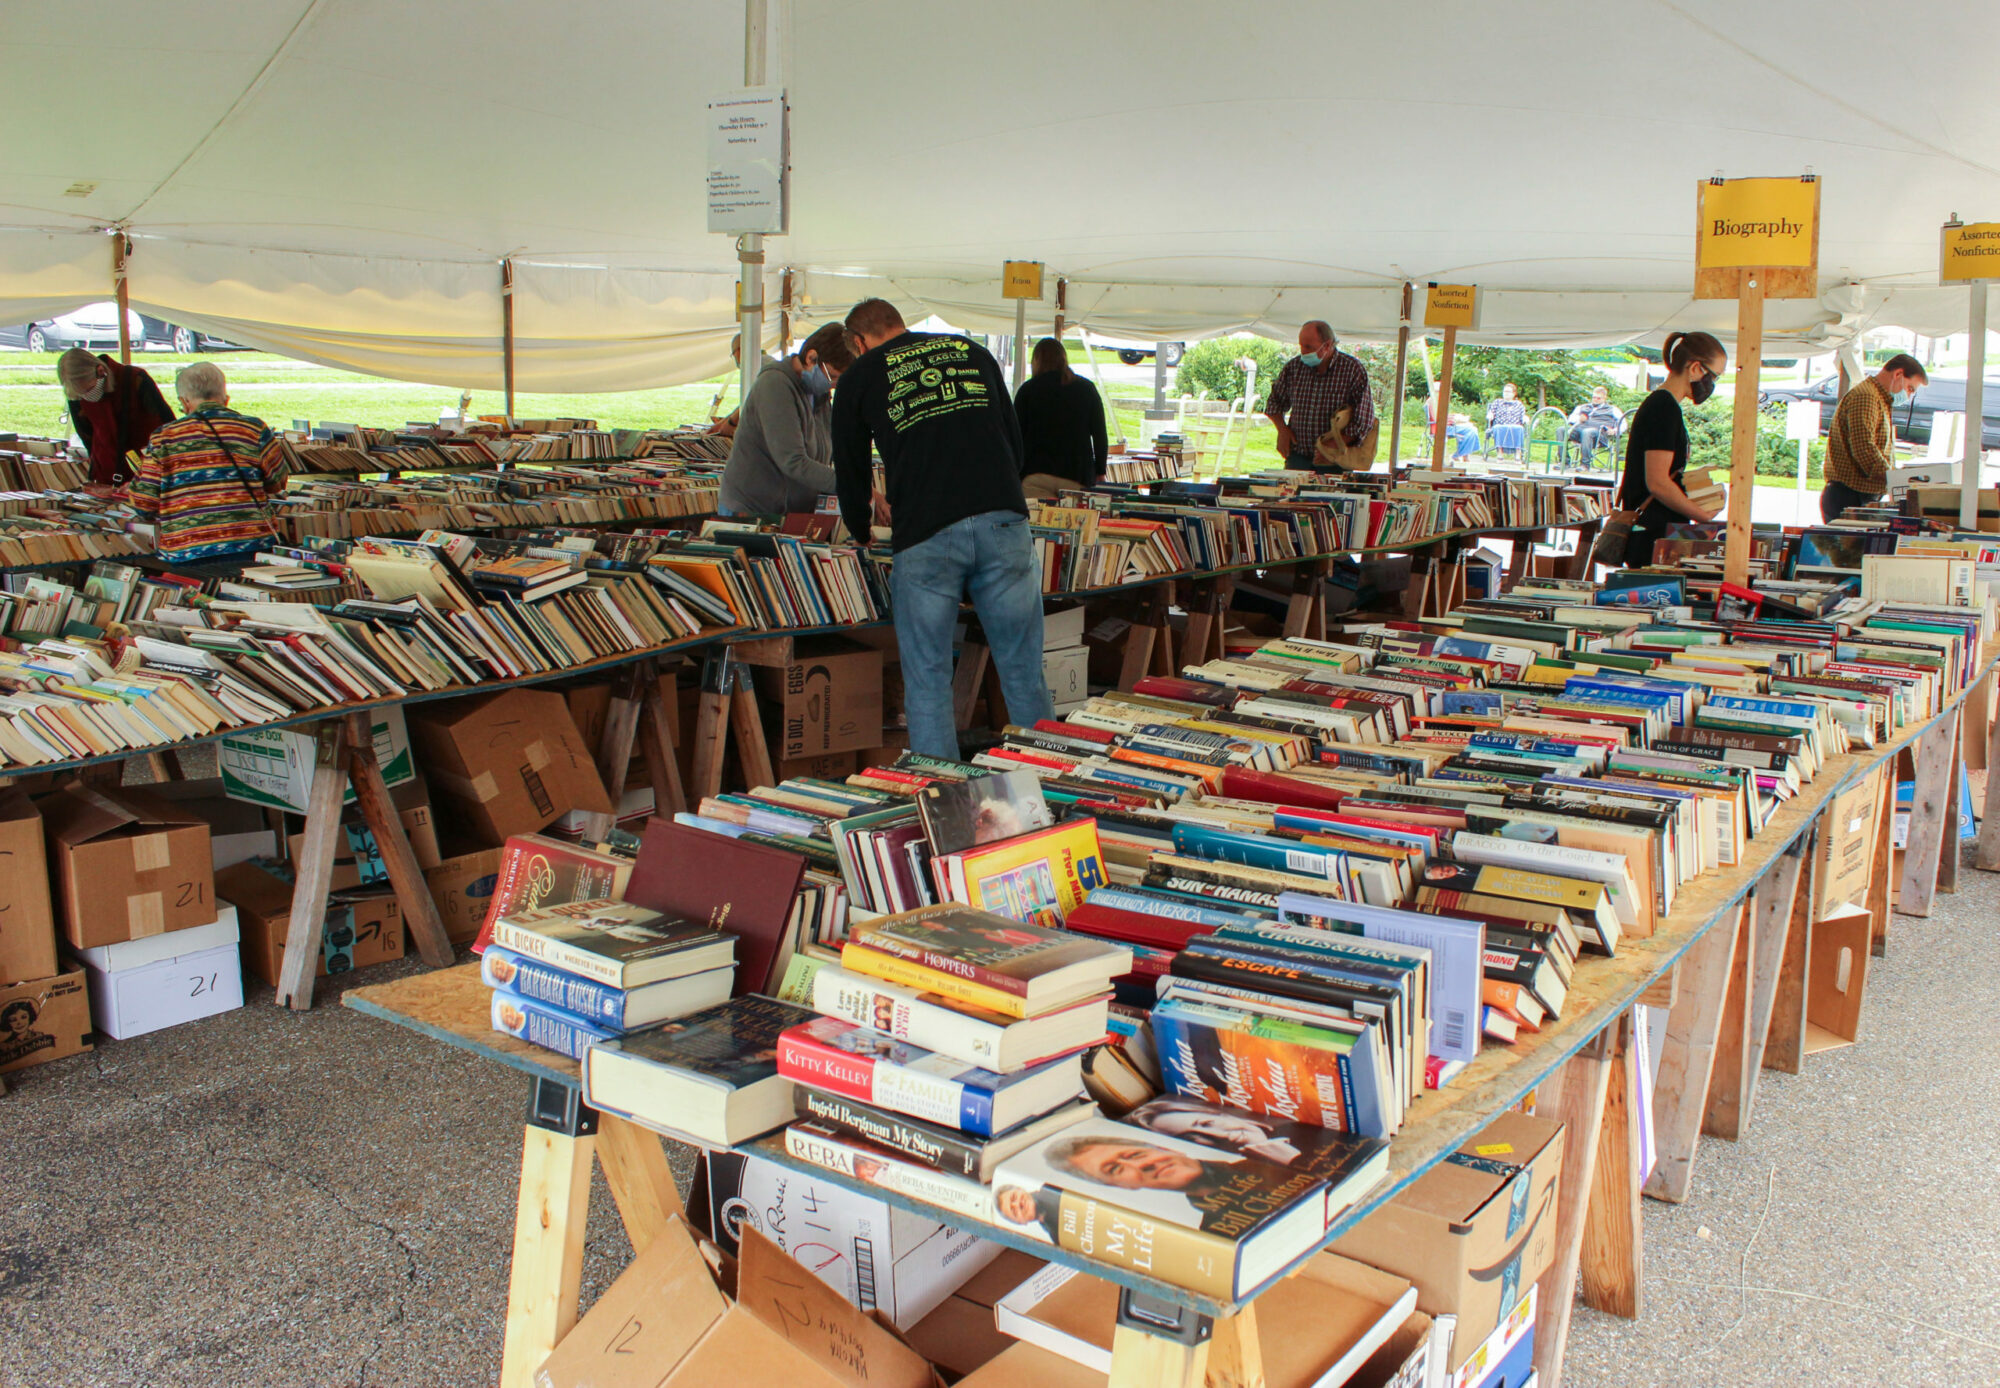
1459 428
1507 422
1592 426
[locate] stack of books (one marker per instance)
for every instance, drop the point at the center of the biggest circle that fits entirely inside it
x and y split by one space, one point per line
950 1039
567 976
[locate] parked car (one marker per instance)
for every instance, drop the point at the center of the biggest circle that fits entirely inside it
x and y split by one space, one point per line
94 326
1170 352
1913 420
185 341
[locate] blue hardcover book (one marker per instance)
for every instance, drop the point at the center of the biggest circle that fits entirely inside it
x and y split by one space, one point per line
711 826
1476 702
599 1005
1237 1056
1786 707
1173 905
1258 851
548 1027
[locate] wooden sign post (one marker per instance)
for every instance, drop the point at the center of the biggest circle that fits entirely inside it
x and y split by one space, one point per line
1021 280
1451 307
1755 239
1969 254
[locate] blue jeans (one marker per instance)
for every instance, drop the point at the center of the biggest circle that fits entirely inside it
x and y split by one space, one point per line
991 558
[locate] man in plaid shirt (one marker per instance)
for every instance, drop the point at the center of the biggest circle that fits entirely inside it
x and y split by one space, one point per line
1313 387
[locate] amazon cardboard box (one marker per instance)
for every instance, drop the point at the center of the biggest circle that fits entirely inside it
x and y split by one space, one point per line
359 929
43 1019
126 864
462 886
27 920
827 699
1476 1231
667 1322
507 763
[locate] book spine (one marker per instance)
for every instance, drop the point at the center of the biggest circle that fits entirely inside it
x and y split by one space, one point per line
956 1194
937 962
875 1081
1190 1258
581 997
926 1144
558 955
892 968
543 1026
843 994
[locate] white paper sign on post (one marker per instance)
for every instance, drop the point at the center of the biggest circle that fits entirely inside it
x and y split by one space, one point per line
1802 420
749 183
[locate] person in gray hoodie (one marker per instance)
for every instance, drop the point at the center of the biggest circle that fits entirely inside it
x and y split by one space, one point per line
781 458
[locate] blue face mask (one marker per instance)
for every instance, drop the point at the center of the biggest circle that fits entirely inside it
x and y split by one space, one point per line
816 382
1309 359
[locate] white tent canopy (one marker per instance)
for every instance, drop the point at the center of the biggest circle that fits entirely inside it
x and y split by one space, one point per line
339 179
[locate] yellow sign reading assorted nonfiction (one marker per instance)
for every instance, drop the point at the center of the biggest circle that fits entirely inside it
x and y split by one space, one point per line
1970 252
1748 223
1451 306
1021 279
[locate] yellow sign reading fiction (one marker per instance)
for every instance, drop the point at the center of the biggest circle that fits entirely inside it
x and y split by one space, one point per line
1970 252
1021 279
1757 223
1451 306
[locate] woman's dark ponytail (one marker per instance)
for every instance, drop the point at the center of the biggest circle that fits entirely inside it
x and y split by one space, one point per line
1681 349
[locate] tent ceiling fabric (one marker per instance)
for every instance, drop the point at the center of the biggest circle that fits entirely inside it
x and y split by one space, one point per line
338 178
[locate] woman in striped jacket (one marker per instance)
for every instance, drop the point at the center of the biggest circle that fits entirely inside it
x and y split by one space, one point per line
205 479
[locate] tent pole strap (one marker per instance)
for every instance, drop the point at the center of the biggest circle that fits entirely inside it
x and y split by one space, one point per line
507 332
1975 409
1402 379
121 249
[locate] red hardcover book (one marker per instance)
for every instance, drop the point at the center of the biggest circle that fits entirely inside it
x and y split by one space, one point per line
1050 725
1132 927
539 871
1187 691
746 889
1275 788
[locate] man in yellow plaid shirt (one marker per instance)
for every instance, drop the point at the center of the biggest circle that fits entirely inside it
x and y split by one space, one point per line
1861 441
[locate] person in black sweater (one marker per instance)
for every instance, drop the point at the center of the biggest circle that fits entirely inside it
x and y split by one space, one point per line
935 406
1656 444
1062 425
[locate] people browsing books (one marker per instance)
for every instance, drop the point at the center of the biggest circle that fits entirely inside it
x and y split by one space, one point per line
114 408
206 480
781 454
1656 443
1062 425
935 406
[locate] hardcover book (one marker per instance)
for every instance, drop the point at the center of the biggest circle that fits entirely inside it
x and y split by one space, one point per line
1037 878
1025 969
539 871
947 1149
614 942
743 889
982 809
1211 1221
616 1010
712 1077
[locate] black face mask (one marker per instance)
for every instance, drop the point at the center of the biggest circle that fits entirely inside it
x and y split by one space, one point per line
1699 391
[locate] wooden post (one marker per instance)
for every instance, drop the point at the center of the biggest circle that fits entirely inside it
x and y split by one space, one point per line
420 913
662 769
1235 1353
1062 308
614 747
1933 816
550 1216
966 678
1444 400
121 246
1778 978
746 725
1402 378
314 869
1680 1099
1728 1107
1611 1264
711 726
635 1167
1139 1360
1574 1096
507 331
1986 854
1743 430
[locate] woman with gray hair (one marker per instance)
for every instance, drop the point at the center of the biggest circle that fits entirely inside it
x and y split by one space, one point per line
114 409
205 481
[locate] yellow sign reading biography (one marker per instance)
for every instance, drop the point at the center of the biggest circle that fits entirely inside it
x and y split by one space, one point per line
1969 252
1760 223
1021 279
1451 306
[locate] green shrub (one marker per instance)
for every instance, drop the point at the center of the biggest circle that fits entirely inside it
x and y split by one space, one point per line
1211 366
1777 456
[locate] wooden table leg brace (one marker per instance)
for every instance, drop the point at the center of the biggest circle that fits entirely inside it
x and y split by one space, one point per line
1575 1097
1159 1344
553 1213
1933 817
1680 1097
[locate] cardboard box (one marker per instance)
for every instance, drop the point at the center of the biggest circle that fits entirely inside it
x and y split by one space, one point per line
274 767
833 766
1507 1356
358 930
1847 847
126 864
1062 627
27 919
137 954
828 699
871 1252
960 1336
893 746
236 832
1475 1231
1031 1366
635 807
1067 674
166 992
666 1323
462 886
507 763
43 1019
357 859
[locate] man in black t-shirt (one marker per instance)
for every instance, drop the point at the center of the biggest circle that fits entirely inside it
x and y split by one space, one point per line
935 406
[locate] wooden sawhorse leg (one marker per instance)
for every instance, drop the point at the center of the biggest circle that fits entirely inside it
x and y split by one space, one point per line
378 811
1933 817
614 746
728 705
1782 999
1578 564
1160 1344
1305 612
967 677
553 1213
1687 1059
1575 1097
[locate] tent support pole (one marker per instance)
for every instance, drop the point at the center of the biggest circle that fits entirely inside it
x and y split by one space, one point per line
1020 342
1975 409
1444 400
1402 380
1062 305
507 332
1743 431
750 247
121 249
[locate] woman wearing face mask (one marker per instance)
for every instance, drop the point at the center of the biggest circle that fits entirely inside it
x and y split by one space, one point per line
113 407
1656 443
781 459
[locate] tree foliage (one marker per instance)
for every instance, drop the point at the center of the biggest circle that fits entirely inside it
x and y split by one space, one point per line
1211 366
